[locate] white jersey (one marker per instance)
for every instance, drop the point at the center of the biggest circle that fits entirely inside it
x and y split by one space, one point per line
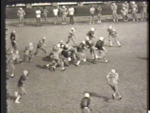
71 11
38 13
55 11
113 78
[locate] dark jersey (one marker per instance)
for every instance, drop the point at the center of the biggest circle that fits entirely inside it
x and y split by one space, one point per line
21 80
12 37
89 43
85 102
99 45
81 47
71 34
90 34
112 32
66 53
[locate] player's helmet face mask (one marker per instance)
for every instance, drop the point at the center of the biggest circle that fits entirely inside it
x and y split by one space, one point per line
87 95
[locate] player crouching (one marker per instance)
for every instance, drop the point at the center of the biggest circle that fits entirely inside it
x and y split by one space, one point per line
112 35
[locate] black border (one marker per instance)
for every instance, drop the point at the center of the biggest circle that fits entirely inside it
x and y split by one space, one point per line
3 58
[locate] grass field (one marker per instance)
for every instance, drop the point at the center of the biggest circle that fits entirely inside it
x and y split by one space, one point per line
61 92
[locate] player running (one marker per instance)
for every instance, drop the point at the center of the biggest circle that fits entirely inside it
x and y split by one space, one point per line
113 79
28 52
112 35
13 39
21 90
91 33
41 46
71 36
81 56
101 49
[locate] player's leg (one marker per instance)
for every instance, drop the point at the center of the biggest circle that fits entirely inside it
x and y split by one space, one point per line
110 40
36 52
118 42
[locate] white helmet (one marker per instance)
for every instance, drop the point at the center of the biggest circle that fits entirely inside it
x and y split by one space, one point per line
30 44
14 31
63 7
92 29
87 38
44 38
133 2
101 38
25 72
58 45
113 70
87 95
110 27
73 29
83 42
20 8
17 52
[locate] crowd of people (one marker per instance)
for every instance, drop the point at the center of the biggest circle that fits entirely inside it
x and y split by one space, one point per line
95 11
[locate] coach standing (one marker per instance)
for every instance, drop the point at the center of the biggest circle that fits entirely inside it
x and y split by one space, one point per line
71 11
99 14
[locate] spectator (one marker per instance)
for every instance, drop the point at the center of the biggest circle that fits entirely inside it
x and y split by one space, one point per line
38 16
71 11
134 10
92 13
64 15
55 12
144 11
45 13
99 14
21 13
114 12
